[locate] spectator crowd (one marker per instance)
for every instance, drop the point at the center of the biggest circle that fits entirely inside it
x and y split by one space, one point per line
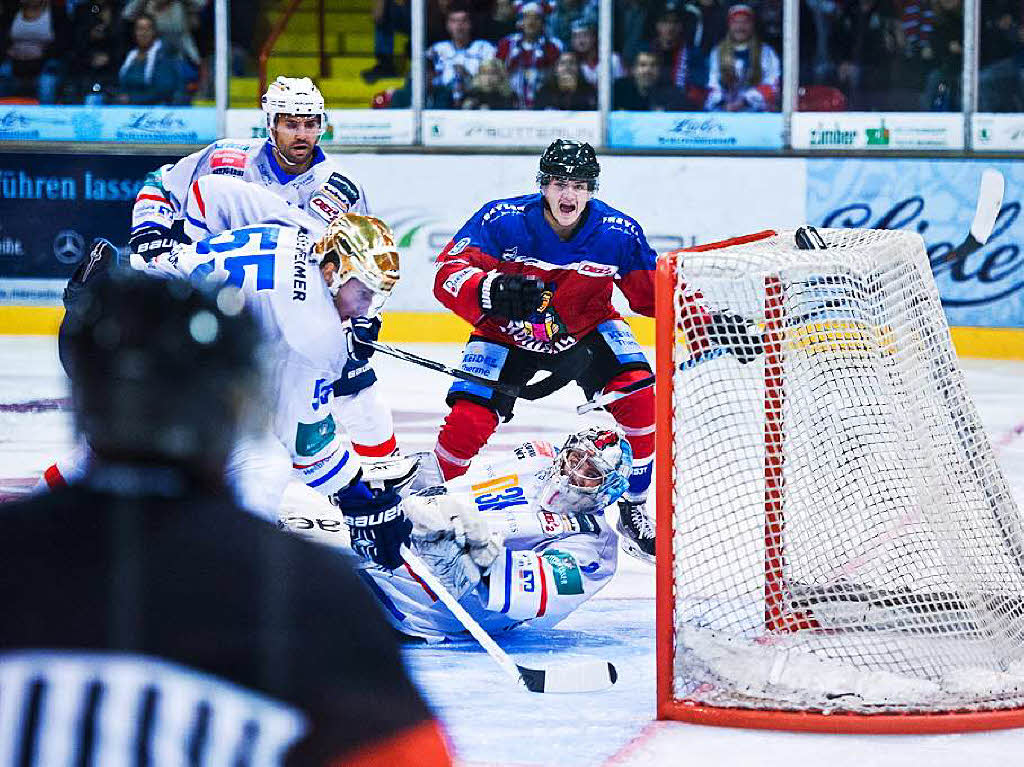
674 55
105 51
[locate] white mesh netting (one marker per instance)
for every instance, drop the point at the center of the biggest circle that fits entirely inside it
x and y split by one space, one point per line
844 539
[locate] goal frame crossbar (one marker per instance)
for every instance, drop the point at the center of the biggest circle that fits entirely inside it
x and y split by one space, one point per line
778 615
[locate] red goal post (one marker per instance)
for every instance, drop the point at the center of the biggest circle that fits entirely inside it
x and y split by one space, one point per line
891 616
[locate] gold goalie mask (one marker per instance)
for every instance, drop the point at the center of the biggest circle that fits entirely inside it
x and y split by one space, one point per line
362 248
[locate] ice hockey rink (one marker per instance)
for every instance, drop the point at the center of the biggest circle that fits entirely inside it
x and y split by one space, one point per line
491 721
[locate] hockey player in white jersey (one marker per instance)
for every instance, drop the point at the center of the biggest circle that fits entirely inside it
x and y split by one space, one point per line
290 164
522 539
302 293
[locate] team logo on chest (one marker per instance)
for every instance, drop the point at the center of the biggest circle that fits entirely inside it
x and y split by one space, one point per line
542 331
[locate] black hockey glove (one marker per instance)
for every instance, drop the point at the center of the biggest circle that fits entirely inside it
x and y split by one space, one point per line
513 296
152 241
377 525
733 332
363 329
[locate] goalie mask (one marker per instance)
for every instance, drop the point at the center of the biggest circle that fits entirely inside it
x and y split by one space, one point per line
590 472
362 248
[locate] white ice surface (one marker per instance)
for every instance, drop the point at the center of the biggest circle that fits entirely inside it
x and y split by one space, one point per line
490 721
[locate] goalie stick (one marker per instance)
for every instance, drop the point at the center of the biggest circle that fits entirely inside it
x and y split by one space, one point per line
558 378
589 675
986 211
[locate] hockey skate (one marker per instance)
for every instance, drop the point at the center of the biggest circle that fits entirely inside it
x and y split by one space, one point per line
636 531
393 473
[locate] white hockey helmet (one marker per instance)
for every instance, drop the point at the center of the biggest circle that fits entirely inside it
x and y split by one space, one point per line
590 472
293 96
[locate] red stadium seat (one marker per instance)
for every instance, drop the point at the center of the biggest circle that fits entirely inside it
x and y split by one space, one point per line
820 98
382 99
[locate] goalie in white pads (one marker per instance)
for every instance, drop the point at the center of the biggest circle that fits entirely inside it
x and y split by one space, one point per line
521 539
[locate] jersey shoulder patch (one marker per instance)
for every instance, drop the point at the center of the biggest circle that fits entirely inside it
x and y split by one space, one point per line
228 160
341 190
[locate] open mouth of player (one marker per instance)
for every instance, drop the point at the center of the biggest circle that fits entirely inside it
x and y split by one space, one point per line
566 208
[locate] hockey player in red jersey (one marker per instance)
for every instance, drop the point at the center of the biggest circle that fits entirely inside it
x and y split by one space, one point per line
534 275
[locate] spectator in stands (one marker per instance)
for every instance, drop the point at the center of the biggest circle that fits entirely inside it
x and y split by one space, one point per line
490 88
97 53
669 46
175 20
501 21
769 22
529 55
942 84
566 13
641 91
1001 57
35 36
744 73
629 27
389 17
817 21
704 27
866 49
437 16
150 73
567 89
583 42
455 61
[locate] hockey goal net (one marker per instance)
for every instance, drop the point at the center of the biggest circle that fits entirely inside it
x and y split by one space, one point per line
837 547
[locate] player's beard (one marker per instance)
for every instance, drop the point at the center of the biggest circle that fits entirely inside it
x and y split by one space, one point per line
298 153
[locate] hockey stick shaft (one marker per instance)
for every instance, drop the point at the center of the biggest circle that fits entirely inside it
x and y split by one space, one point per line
462 616
645 383
586 676
556 380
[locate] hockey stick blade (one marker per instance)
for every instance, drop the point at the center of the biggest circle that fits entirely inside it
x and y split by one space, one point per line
589 675
990 202
584 676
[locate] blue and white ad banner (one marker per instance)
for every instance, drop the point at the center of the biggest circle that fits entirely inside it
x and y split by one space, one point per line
935 198
878 130
695 130
377 127
120 124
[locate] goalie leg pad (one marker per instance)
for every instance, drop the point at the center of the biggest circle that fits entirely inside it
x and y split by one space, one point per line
466 429
635 416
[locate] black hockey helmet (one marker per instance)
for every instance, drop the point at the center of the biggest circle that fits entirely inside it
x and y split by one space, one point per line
162 371
573 160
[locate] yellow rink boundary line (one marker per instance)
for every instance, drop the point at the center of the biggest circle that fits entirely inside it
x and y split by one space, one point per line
443 327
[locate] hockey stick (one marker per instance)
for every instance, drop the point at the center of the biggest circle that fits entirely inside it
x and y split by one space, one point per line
611 396
588 675
559 376
990 201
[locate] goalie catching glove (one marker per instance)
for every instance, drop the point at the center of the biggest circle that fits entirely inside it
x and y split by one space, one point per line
453 539
512 296
734 333
377 526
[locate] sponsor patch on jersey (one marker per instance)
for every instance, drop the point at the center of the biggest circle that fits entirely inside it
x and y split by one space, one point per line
324 207
590 269
567 576
341 189
525 572
459 246
621 341
227 161
311 438
455 281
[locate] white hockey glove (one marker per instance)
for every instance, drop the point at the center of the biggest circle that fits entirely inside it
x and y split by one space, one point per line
453 539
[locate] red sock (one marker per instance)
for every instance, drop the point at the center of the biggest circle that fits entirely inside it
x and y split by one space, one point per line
635 416
466 429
